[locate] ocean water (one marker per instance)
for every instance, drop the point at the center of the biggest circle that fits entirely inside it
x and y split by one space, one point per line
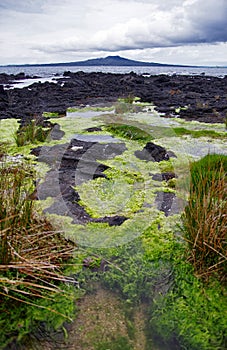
52 73
48 72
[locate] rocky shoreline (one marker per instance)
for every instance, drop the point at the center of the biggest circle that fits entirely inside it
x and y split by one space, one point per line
141 272
190 97
202 98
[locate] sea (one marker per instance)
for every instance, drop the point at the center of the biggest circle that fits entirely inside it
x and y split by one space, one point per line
50 73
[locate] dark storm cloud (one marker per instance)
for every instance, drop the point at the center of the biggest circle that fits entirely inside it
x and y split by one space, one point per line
209 18
162 24
194 22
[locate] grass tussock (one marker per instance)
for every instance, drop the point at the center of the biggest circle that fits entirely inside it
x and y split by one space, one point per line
31 253
3 147
205 216
32 132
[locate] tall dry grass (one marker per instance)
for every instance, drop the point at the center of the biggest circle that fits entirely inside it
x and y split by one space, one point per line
205 216
31 252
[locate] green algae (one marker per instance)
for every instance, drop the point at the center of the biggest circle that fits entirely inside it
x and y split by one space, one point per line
196 125
8 130
135 129
162 249
177 110
71 126
186 148
129 132
191 315
128 190
119 195
90 108
149 116
142 126
101 234
159 250
126 195
51 114
154 267
130 104
200 133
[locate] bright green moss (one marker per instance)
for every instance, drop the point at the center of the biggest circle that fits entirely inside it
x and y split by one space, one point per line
129 132
146 259
118 194
90 108
199 133
51 115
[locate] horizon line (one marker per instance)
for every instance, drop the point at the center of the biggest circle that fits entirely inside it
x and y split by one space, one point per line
103 58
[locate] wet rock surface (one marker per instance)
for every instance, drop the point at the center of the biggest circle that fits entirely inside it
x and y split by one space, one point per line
79 161
200 98
11 78
168 175
72 164
152 152
167 202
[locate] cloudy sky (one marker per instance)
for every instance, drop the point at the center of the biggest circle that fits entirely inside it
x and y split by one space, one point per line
165 31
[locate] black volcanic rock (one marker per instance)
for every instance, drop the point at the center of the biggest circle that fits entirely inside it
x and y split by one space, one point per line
73 164
152 152
164 176
203 97
10 78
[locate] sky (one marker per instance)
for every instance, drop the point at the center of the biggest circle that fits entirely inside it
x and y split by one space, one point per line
190 32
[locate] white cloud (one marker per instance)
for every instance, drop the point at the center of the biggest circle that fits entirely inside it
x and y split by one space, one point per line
28 6
55 30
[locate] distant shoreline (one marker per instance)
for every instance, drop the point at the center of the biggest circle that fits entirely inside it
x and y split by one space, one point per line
114 61
52 72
